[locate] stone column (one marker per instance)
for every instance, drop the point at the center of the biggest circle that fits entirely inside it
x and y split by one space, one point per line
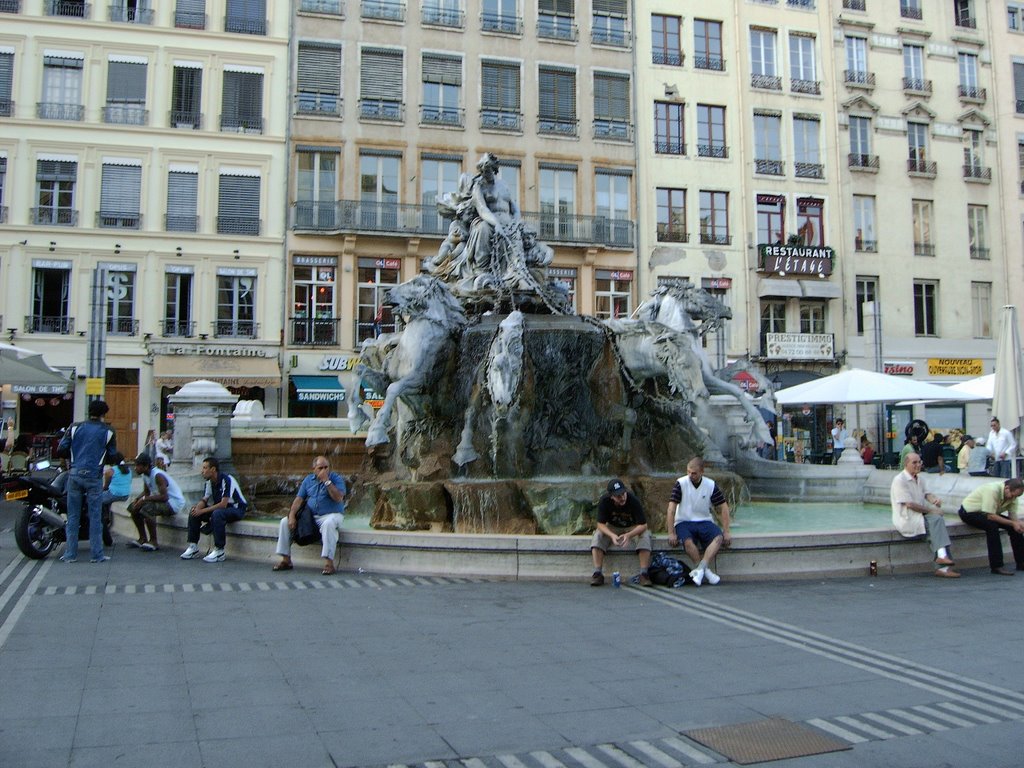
202 427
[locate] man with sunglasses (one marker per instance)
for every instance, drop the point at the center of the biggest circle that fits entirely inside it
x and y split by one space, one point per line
324 493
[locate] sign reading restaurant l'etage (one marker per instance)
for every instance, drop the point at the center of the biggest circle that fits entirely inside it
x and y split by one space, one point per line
795 260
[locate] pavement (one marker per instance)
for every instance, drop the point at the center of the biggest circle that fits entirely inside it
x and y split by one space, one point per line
151 661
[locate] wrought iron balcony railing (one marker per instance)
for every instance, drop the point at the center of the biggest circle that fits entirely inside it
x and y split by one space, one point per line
124 114
241 124
908 11
314 332
922 168
58 217
10 6
326 7
966 21
182 329
980 252
118 220
868 246
386 10
49 324
176 222
618 130
863 162
713 150
669 147
55 111
972 93
617 38
382 109
766 82
858 77
854 5
715 238
809 170
769 167
3 220
235 329
122 326
557 126
245 26
917 85
69 8
812 87
557 28
317 103
979 172
806 4
924 249
128 15
496 22
443 17
716 63
672 236
666 57
447 116
238 225
501 120
6 108
185 118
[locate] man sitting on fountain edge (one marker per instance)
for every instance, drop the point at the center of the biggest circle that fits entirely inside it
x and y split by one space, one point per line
620 522
912 516
324 493
689 517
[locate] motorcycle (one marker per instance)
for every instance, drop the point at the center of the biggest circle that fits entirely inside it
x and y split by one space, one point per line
41 525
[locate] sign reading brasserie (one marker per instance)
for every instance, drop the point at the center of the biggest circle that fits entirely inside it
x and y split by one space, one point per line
799 346
954 366
795 260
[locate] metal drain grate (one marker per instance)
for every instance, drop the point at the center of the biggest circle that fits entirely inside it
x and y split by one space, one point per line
765 740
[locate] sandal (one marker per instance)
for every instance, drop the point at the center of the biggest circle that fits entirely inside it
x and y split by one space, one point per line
283 567
328 570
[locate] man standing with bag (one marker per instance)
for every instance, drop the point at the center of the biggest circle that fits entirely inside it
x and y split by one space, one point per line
89 445
324 493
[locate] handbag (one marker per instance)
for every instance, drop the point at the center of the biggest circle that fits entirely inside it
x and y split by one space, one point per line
306 530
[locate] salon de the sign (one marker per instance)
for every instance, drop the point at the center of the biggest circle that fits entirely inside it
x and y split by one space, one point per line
795 260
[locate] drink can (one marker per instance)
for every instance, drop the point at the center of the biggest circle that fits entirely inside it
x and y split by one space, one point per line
873 568
616 579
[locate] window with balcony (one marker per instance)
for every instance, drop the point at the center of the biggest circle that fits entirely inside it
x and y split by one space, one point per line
812 317
556 19
613 225
6 84
120 195
963 14
974 155
608 24
73 9
669 137
771 219
314 319
977 231
121 303
442 90
316 188
913 70
501 16
241 108
802 67
671 215
375 278
55 192
768 143
764 66
51 300
187 96
500 93
611 106
236 304
178 303
926 307
921 220
711 131
379 189
439 176
666 40
318 79
864 237
861 153
970 89
62 87
810 221
190 14
981 310
613 294
911 9
917 145
238 203
131 11
182 198
557 202
857 62
807 147
380 84
126 92
707 45
867 290
443 13
1018 86
247 17
714 217
385 10
557 99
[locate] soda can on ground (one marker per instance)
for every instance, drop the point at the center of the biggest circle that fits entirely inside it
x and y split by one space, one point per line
616 579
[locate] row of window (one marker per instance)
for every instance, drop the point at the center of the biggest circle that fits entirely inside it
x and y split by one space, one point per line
857 72
922 222
247 17
926 306
963 10
862 154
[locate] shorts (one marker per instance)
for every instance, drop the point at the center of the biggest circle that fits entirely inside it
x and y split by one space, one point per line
154 509
602 542
702 531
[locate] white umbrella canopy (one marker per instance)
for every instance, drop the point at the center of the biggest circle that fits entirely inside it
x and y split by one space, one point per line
859 386
983 385
1008 395
23 367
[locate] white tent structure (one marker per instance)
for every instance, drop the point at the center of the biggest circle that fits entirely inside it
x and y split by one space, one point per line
23 367
983 385
859 386
1008 394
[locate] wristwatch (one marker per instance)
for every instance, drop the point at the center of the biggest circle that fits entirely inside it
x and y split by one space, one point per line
328 483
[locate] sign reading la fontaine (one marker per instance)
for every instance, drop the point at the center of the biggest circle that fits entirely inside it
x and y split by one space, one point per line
795 260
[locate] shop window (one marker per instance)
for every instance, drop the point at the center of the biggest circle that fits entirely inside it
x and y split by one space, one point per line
613 294
373 317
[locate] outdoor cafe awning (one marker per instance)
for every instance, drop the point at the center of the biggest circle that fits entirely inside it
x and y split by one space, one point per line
318 389
178 370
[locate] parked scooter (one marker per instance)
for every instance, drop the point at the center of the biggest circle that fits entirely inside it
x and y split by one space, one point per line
40 527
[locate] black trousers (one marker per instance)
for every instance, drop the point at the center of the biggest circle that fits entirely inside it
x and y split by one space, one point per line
995 544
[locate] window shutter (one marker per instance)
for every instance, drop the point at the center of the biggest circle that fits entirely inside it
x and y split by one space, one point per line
563 7
446 70
6 75
182 196
242 100
610 7
500 85
319 68
126 83
239 197
558 94
120 189
187 91
62 61
190 8
381 74
611 96
250 10
56 170
1018 81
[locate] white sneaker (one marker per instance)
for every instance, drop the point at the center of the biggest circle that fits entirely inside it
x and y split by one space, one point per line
697 574
711 577
215 556
191 552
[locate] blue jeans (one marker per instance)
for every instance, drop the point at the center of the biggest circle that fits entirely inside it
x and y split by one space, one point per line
218 520
85 486
1001 468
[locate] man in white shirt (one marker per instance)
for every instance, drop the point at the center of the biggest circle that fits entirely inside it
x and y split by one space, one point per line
1001 445
839 435
915 512
689 520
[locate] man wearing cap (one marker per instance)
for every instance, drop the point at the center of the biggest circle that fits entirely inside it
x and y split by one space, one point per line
688 520
973 457
992 507
621 522
915 512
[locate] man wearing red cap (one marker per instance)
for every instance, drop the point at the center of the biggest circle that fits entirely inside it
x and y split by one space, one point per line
621 522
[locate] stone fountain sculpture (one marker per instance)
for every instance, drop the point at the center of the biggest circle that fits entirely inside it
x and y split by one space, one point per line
504 411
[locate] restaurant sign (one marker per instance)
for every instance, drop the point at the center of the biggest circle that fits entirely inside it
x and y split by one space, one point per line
795 260
799 346
954 366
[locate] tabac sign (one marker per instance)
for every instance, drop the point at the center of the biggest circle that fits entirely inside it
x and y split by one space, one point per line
795 260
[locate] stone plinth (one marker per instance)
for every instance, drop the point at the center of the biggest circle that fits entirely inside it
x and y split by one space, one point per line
202 427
